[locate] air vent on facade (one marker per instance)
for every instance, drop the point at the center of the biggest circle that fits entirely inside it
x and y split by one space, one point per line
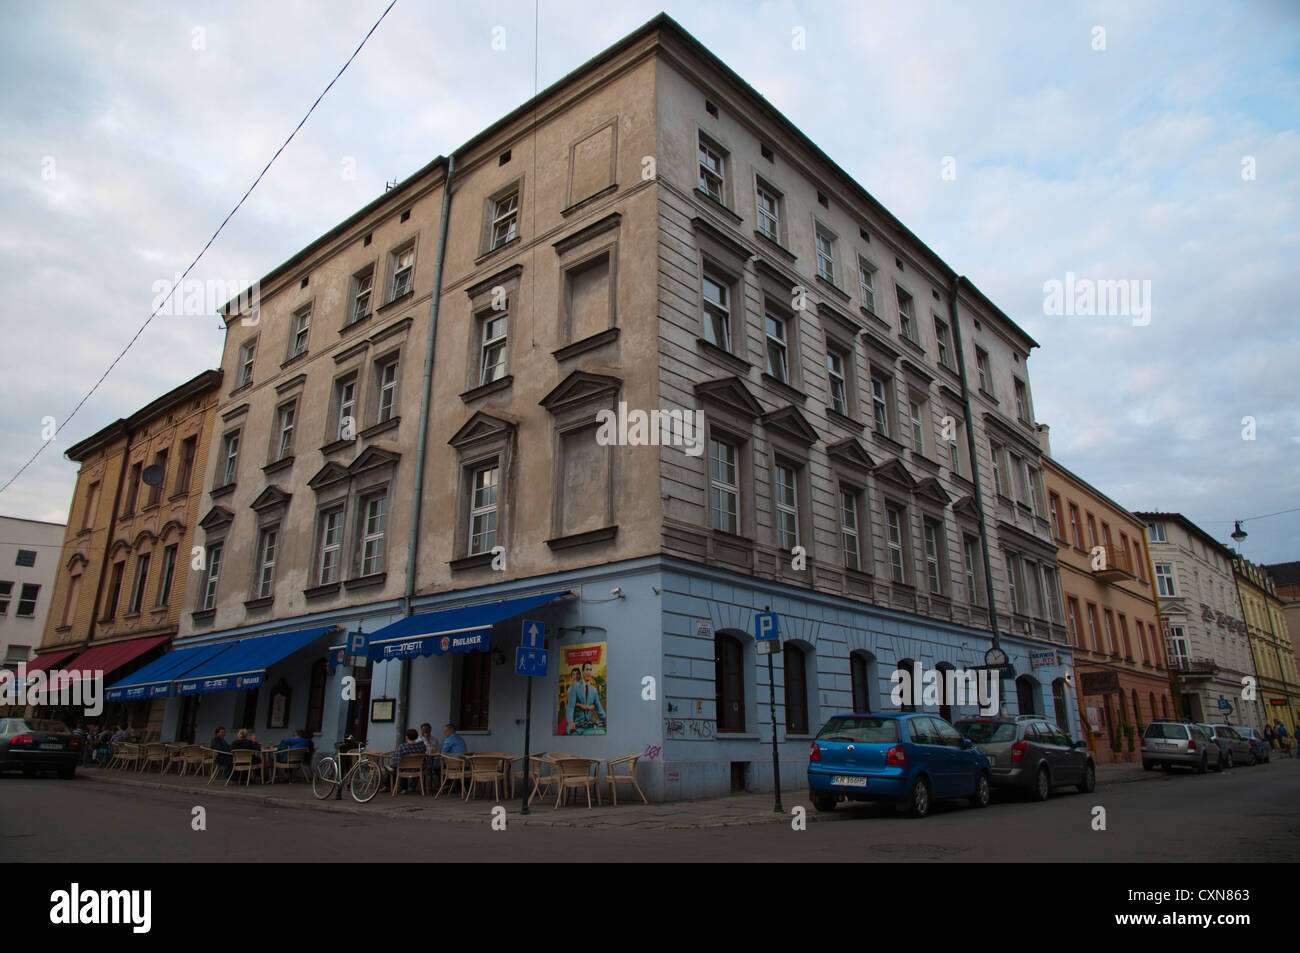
866 236
365 241
767 153
823 201
936 295
505 157
899 263
406 215
711 109
977 326
304 283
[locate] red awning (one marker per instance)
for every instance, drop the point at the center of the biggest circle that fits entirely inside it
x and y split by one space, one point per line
109 658
43 662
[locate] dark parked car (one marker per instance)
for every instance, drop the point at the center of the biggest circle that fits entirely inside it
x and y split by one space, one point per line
1233 748
906 758
39 745
1258 746
1031 754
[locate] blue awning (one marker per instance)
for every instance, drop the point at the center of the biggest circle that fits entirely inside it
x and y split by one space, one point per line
155 679
464 629
245 664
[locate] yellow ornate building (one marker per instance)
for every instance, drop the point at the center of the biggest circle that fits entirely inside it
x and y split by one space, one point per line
1270 644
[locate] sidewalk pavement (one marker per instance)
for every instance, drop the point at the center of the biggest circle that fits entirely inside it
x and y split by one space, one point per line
736 810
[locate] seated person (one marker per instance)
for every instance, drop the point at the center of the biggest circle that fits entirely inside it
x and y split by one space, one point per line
452 743
244 742
298 740
219 743
412 745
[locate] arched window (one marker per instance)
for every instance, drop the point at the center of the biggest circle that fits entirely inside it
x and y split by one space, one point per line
945 697
1152 698
1164 705
1137 708
862 674
796 690
1058 704
1027 695
729 685
907 666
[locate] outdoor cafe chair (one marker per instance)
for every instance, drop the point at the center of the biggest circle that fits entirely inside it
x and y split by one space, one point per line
129 756
242 760
615 778
410 767
454 771
154 753
189 758
485 768
172 751
542 779
295 759
209 762
575 773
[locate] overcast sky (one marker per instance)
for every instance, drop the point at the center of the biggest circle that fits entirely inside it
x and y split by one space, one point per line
1169 156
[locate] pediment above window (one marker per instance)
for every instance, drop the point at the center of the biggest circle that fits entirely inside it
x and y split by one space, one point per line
893 471
482 427
217 517
731 393
77 560
789 422
270 498
851 453
965 507
371 458
581 387
328 475
143 538
930 489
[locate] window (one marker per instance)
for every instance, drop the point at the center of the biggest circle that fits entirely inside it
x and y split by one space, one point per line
267 549
1034 588
284 428
787 507
345 394
879 404
70 603
1035 489
894 517
27 599
115 588
712 171
1092 530
934 555
769 213
1052 587
387 389
362 286
717 313
999 485
1016 591
944 339
26 557
141 577
168 572
300 332
244 372
1157 532
372 536
133 488
1165 579
214 572
230 453
1142 643
971 556
331 542
867 286
1123 632
189 450
796 689
860 677
1074 527
483 509
1074 622
986 376
1178 640
777 365
403 267
825 256
1110 632
505 220
918 427
905 325
1054 508
475 684
724 487
1022 401
92 505
850 539
728 682
835 372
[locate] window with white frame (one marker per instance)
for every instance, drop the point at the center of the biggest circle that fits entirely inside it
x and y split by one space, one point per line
971 557
943 337
213 574
1022 401
880 403
999 484
713 176
1165 579
895 517
825 255
1052 586
300 332
284 430
1178 642
27 597
505 220
724 486
839 388
403 271
387 384
484 493
1013 587
247 351
954 446
493 336
1157 532
934 555
906 325
267 549
230 454
867 286
345 398
717 312
769 212
986 375
777 348
372 535
787 507
362 287
331 545
850 537
1034 587
917 417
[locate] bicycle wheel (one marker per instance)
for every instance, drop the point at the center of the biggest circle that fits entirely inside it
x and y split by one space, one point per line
366 780
325 779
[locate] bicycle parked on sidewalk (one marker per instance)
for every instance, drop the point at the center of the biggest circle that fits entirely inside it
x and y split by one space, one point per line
363 779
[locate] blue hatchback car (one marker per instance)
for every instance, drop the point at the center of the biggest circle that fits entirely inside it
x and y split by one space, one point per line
910 758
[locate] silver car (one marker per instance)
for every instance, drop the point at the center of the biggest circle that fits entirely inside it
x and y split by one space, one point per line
1258 746
1168 744
1031 753
1233 748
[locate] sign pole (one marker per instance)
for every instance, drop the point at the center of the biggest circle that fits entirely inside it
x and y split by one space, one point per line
776 760
528 733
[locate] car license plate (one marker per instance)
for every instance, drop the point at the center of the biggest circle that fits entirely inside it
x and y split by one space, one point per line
51 746
849 781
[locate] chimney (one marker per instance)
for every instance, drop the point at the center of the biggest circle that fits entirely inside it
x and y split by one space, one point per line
1044 440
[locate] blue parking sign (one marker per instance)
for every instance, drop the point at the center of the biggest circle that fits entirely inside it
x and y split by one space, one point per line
765 627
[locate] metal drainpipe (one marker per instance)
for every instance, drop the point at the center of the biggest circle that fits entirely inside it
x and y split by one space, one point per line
974 459
412 546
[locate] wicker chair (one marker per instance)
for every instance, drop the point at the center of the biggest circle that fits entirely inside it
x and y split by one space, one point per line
575 773
209 762
189 759
155 753
129 756
547 779
242 760
409 768
455 770
294 760
614 778
485 768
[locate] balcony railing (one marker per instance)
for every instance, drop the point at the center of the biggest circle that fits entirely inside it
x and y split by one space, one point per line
1194 667
1118 566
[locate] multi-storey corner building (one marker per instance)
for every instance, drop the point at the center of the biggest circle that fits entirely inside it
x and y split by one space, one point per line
1270 644
1286 582
29 557
1120 673
421 421
126 550
1206 643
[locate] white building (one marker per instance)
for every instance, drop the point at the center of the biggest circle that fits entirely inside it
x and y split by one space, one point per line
29 553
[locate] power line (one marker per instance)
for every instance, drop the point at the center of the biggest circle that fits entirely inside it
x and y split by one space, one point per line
1248 519
201 253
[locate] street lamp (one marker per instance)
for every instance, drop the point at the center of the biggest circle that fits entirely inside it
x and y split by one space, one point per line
1238 534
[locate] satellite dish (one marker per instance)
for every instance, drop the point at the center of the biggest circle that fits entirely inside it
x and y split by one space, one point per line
153 475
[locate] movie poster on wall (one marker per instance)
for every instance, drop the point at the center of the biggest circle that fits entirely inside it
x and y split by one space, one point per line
581 690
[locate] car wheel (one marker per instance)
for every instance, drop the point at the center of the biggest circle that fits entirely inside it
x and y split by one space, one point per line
983 793
825 803
1042 784
1227 762
918 799
1205 763
1089 782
